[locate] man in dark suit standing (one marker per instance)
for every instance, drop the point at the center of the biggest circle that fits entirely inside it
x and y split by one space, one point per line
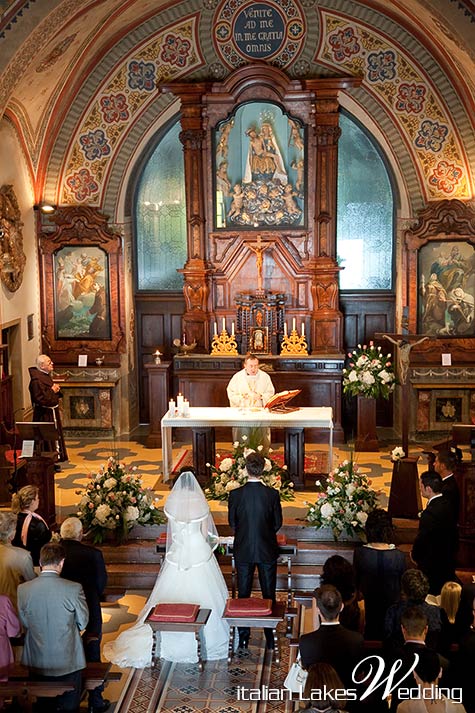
85 564
445 463
255 515
435 545
45 395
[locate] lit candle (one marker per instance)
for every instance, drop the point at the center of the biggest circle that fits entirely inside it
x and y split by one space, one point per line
232 329
224 324
215 329
293 324
303 329
285 329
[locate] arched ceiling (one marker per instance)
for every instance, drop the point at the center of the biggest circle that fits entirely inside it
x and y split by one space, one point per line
78 81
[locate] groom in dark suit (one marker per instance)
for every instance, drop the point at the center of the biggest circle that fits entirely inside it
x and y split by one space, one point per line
255 515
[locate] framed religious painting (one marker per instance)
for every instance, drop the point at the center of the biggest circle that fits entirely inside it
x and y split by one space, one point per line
259 169
82 284
446 289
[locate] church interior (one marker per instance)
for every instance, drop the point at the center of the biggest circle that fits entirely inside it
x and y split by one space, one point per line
185 183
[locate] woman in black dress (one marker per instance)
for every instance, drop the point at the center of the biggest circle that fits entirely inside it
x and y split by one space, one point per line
32 532
379 566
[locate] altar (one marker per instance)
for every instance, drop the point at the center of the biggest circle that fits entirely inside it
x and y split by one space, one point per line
203 422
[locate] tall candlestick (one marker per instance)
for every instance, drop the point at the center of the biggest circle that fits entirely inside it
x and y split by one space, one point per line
285 329
232 329
224 324
303 329
215 329
293 324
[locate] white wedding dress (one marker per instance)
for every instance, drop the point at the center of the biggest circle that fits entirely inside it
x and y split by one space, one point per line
190 574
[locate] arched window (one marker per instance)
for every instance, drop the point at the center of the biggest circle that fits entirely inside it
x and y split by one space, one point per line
160 217
365 212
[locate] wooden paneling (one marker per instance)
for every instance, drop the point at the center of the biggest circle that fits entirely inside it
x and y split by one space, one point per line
158 321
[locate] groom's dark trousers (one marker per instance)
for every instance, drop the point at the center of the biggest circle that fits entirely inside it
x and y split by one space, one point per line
255 515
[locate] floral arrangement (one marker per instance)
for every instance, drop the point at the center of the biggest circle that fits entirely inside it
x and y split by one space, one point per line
370 373
397 453
115 500
231 472
346 503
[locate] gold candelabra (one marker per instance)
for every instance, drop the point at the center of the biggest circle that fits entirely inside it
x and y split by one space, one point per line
223 344
293 344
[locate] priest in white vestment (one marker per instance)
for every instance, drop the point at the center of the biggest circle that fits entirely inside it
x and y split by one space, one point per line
247 389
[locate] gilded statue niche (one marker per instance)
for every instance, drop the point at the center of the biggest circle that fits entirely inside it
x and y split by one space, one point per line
12 257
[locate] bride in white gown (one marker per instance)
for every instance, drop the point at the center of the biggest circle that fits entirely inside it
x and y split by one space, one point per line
190 574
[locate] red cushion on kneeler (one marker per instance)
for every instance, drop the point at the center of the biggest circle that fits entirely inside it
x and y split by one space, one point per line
162 538
248 606
281 540
181 613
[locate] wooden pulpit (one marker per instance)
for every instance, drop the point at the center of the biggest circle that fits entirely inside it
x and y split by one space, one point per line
39 469
405 496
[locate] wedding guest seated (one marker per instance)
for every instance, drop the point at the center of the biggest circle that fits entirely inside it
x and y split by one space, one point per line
449 600
379 566
464 616
414 627
414 590
331 642
323 677
32 532
429 697
16 565
464 665
339 572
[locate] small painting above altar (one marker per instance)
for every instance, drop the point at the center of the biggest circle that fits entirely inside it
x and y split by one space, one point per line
260 161
446 286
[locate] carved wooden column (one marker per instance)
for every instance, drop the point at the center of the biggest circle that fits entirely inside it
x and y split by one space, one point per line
196 271
327 320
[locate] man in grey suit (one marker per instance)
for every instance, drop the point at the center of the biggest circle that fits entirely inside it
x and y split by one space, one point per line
53 611
255 515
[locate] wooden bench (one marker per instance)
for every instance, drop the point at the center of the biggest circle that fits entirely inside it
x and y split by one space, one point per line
21 686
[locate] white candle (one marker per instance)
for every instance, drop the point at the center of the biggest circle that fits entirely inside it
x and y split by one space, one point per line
285 329
303 329
293 324
232 329
215 329
224 324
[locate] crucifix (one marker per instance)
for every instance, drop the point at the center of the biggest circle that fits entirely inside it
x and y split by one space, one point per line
259 249
403 351
404 495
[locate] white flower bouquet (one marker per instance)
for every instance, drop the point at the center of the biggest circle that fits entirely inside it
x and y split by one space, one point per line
346 503
370 373
231 473
397 453
114 501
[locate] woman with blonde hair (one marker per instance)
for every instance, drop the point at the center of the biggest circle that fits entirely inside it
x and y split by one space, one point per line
32 532
450 599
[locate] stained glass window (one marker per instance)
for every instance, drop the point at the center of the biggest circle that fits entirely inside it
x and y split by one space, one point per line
365 215
161 217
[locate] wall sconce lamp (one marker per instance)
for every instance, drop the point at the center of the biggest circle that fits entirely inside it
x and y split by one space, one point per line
46 208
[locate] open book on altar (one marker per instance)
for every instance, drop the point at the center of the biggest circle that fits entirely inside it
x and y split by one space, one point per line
278 402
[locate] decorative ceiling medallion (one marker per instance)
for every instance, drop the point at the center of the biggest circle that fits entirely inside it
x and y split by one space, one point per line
272 31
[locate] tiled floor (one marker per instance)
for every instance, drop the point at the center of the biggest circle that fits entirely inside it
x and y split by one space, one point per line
180 688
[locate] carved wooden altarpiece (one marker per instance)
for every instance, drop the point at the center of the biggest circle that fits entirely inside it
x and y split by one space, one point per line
229 207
